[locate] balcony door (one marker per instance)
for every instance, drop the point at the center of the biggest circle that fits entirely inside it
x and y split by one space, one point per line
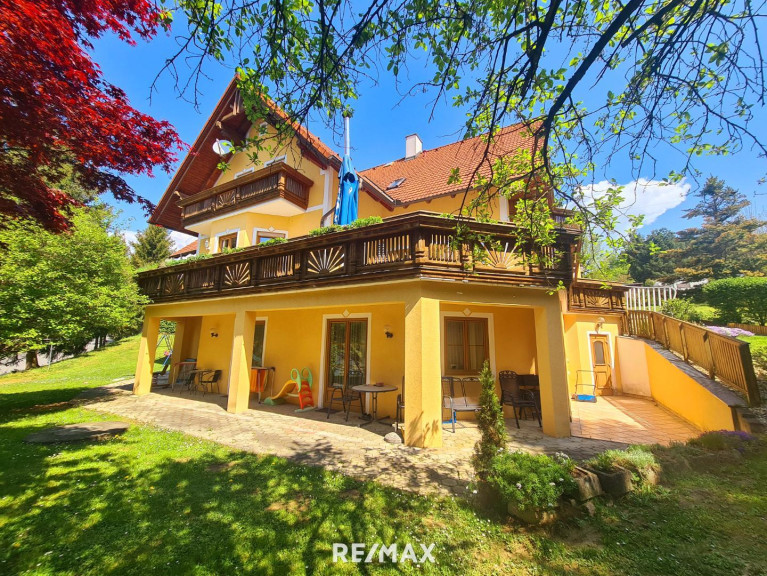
347 352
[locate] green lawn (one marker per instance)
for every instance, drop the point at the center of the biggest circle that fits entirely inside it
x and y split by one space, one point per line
158 502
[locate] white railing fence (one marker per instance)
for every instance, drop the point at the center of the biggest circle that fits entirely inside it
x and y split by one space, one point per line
649 297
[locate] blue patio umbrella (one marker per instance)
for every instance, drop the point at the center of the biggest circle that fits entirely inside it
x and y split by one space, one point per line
348 192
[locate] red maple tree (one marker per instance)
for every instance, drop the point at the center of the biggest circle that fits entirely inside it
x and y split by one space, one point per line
59 116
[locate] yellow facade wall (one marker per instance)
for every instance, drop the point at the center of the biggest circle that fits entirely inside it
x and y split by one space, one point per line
577 330
681 394
215 352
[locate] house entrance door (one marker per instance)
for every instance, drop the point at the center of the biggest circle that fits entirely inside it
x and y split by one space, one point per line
347 352
601 363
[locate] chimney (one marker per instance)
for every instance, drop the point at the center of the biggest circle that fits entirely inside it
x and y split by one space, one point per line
413 146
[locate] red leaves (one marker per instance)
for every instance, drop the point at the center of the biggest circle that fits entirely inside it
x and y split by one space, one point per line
56 111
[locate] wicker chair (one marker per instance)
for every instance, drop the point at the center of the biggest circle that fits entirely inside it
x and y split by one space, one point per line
345 392
519 399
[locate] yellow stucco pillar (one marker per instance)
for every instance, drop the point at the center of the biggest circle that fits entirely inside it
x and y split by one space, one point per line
242 353
142 383
552 369
423 391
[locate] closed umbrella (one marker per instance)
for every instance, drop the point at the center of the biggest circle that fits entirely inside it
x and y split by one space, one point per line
348 192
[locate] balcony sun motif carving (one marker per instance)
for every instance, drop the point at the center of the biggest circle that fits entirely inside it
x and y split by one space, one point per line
505 259
174 284
325 261
236 275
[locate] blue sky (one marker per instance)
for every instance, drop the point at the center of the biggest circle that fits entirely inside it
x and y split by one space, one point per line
383 118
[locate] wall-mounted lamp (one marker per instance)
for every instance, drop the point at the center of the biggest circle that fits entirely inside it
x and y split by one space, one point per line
213 334
387 331
600 322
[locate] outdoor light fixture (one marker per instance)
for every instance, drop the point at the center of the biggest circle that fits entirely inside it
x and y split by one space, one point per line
600 322
213 334
388 332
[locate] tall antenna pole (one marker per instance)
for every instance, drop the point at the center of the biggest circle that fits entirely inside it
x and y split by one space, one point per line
347 137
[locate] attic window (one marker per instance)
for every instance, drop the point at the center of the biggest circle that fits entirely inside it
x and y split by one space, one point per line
396 184
275 160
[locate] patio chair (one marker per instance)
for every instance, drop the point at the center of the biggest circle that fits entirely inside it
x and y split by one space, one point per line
184 374
345 392
207 380
455 399
519 399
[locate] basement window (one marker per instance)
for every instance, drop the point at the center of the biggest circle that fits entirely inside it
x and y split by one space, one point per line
396 184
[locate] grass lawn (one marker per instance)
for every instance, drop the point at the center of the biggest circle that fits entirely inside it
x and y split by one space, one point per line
159 502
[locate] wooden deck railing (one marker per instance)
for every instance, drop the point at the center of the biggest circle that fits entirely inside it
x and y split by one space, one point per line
275 181
417 245
755 328
719 356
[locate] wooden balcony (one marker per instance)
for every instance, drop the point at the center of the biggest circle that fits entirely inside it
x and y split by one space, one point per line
417 245
595 296
277 181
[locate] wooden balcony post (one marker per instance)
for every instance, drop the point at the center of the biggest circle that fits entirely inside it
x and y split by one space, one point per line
683 338
710 356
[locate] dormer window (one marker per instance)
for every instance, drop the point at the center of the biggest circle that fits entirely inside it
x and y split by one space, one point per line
396 184
248 170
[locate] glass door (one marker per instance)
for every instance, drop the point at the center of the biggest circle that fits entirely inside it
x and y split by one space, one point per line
347 352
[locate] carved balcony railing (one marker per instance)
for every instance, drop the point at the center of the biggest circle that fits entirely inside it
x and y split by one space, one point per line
275 181
417 245
595 296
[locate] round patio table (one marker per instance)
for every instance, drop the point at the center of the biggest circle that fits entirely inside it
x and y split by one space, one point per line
374 390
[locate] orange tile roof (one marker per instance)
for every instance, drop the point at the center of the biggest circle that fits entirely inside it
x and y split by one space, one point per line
426 175
190 248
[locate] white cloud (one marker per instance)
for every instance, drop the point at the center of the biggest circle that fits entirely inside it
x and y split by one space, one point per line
179 240
650 198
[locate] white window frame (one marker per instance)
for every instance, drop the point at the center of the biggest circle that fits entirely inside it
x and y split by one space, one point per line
461 316
269 230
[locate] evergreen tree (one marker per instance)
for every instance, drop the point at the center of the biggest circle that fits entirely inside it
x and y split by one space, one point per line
152 246
647 256
66 288
727 244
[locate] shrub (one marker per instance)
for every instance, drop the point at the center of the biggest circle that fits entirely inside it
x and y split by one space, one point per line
638 459
358 223
684 309
492 428
739 299
531 480
723 440
272 242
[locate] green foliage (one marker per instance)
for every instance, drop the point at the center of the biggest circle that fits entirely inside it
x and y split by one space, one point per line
647 256
64 288
638 459
722 440
739 299
687 310
531 480
195 258
492 428
359 223
727 244
273 242
167 327
152 246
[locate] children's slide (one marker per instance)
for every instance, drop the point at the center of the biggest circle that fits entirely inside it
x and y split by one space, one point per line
299 386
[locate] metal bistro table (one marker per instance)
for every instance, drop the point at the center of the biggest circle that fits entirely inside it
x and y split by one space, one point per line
374 390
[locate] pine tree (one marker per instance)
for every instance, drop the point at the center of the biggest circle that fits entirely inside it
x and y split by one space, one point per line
646 256
727 244
152 246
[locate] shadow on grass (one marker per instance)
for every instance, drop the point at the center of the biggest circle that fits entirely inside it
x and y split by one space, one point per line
103 508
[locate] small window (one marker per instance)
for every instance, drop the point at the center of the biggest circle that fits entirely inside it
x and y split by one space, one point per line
599 353
262 236
258 344
466 345
227 242
396 184
249 170
275 160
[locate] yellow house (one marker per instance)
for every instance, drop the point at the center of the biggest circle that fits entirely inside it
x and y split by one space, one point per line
395 302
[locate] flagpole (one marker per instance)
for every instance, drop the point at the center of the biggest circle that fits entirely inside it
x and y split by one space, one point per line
347 138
